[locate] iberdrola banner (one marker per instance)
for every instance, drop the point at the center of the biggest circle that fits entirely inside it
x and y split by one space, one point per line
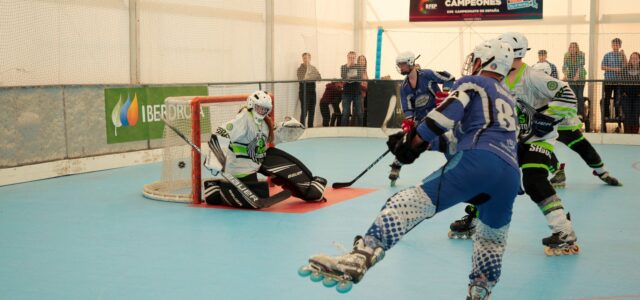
133 114
474 10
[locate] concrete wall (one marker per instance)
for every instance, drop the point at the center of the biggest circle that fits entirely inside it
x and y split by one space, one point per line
47 123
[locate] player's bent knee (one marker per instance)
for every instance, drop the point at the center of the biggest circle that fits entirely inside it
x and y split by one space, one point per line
536 184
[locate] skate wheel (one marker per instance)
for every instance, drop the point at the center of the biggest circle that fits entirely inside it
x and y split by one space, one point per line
304 271
344 287
548 251
450 235
316 276
575 249
558 252
329 282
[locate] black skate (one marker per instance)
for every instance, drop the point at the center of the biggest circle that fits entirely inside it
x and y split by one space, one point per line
608 179
345 270
395 173
559 179
561 243
478 290
465 227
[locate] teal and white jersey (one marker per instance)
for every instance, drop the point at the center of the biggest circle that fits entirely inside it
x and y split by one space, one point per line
541 90
247 143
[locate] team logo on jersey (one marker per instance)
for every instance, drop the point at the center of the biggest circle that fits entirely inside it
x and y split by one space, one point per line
552 85
493 66
229 127
257 148
422 100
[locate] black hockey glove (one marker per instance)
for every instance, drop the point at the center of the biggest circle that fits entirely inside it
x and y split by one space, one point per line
542 124
400 145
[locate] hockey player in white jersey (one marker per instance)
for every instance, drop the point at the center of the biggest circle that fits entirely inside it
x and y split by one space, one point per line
569 134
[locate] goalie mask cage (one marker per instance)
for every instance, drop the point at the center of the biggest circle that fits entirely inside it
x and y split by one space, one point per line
197 118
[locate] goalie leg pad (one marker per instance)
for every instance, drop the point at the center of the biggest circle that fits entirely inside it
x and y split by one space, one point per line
219 192
293 175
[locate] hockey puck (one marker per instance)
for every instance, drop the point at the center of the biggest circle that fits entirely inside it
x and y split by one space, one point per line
181 165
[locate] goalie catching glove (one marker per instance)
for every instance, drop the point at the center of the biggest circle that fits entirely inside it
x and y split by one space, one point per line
401 145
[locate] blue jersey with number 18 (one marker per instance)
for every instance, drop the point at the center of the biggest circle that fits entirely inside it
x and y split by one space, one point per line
486 114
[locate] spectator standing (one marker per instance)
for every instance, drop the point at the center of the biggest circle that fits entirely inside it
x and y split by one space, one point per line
307 73
351 73
612 65
542 57
631 94
362 63
575 72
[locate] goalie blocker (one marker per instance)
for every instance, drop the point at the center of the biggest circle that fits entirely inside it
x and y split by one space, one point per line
284 169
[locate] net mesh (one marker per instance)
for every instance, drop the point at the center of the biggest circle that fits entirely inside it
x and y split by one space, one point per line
177 182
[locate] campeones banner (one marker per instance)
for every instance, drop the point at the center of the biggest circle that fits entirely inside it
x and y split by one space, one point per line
474 10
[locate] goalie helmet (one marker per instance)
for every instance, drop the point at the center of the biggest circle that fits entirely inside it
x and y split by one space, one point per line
406 57
544 67
518 42
260 104
495 56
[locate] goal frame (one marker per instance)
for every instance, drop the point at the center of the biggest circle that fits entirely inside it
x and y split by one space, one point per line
195 105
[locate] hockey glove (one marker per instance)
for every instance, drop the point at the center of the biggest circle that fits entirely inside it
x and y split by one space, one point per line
401 145
407 124
542 124
440 97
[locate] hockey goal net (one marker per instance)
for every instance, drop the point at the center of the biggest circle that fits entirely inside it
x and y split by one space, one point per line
197 118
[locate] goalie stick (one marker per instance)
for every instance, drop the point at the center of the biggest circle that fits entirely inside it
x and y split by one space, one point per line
337 185
247 194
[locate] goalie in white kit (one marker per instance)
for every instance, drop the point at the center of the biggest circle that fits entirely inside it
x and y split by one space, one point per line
246 153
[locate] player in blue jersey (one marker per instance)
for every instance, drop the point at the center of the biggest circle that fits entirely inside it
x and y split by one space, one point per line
418 95
486 156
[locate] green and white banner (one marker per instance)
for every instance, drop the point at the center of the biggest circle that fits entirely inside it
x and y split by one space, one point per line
133 114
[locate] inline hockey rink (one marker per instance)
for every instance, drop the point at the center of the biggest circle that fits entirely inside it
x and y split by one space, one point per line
94 236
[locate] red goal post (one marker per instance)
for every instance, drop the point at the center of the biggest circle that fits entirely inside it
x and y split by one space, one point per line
197 118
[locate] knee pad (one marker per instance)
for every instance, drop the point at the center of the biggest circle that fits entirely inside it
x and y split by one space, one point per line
219 192
402 212
293 175
536 184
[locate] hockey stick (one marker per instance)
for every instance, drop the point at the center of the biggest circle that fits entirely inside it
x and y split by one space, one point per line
338 185
247 194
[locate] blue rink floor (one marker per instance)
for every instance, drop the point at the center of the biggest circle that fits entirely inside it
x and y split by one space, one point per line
94 236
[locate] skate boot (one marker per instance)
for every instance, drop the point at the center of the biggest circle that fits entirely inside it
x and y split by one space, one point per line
395 173
561 243
478 290
465 227
558 180
608 179
345 270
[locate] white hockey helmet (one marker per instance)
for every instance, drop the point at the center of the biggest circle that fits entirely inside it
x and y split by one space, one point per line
518 42
495 56
260 103
406 57
543 66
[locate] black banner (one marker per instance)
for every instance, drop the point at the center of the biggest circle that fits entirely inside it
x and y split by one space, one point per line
474 10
